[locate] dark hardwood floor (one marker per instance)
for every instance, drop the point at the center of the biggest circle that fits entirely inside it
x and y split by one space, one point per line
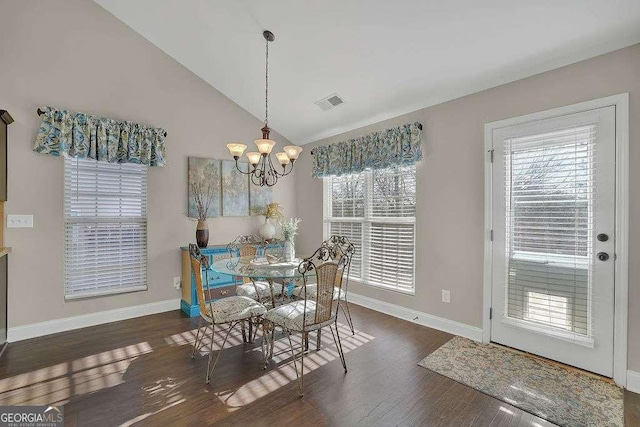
139 371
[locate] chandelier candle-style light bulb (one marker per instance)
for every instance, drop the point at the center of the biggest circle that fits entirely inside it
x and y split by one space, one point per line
236 149
293 151
283 159
263 172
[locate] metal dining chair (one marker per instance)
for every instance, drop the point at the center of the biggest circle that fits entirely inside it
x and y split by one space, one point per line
337 247
306 315
232 310
246 247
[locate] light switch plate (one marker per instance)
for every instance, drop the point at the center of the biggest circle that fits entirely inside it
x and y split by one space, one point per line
19 221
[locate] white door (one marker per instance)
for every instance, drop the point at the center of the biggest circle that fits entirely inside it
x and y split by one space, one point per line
553 210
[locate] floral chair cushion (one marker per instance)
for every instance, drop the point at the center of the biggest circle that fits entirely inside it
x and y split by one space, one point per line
312 290
291 315
231 309
248 290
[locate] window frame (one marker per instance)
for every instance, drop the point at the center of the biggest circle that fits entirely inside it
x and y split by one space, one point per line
366 222
70 221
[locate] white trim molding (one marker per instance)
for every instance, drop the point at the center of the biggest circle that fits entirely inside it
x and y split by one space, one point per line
621 104
24 332
633 381
424 319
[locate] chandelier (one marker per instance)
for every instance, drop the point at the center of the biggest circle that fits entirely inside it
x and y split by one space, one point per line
263 172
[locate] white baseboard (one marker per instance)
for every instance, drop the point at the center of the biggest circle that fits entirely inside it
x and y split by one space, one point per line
435 322
633 381
19 333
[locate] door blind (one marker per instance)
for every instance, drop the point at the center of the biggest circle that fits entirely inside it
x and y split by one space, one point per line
549 188
105 211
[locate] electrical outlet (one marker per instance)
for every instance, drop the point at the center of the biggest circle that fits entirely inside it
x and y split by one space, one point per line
19 221
176 283
446 296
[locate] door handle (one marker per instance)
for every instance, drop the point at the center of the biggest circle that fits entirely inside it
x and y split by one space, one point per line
603 256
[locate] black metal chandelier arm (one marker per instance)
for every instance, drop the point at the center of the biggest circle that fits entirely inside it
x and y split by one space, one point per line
271 176
266 167
255 180
241 171
263 178
258 171
273 170
284 169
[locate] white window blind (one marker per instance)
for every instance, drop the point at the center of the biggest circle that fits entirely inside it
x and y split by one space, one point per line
549 191
375 210
105 213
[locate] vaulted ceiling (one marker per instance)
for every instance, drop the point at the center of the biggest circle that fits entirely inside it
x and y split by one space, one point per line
385 58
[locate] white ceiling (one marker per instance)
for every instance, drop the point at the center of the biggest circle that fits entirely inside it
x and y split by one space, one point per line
384 57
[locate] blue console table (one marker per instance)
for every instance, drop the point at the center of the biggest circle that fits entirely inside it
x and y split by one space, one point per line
218 286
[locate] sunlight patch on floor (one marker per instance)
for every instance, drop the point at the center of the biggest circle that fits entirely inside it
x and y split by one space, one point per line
56 384
163 392
189 337
508 411
285 373
530 392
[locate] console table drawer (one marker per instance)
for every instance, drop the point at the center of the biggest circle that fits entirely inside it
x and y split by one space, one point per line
220 292
215 279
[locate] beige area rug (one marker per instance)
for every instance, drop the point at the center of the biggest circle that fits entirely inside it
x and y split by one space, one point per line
561 395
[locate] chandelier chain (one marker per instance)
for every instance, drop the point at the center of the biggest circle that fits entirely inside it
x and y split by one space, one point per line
266 87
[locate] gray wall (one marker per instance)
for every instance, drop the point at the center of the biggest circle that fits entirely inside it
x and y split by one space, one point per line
450 217
73 54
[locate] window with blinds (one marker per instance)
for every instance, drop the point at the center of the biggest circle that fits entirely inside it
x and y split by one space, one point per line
376 211
105 215
549 187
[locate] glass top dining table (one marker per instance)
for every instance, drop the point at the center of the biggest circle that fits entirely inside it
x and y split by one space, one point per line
254 269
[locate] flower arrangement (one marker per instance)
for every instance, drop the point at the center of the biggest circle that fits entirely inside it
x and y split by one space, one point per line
272 210
289 228
203 189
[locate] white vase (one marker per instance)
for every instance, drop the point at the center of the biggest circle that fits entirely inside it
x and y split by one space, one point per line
267 230
289 253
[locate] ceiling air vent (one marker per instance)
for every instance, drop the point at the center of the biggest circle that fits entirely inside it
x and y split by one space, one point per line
330 102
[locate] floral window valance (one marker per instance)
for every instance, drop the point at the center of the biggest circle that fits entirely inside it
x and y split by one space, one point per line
82 135
400 146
